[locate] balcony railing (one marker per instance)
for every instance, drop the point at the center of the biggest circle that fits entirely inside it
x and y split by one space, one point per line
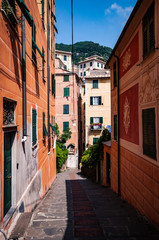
96 126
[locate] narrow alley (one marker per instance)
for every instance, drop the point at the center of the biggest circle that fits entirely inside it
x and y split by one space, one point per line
76 208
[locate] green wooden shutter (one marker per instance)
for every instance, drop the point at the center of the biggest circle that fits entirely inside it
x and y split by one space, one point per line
91 100
43 64
66 92
91 120
101 119
34 42
100 100
65 126
45 133
66 78
42 2
34 134
149 132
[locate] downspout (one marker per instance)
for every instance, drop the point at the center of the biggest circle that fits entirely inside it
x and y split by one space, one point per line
118 109
24 81
48 75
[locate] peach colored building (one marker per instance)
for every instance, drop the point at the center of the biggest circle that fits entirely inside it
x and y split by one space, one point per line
27 105
97 104
134 64
68 106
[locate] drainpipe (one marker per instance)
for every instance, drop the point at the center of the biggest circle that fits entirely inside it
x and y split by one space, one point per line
24 81
118 109
48 75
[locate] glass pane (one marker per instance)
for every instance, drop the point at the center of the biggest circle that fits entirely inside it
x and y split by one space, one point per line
95 100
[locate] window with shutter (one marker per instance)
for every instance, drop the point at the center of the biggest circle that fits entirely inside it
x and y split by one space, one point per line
66 109
66 78
34 42
148 31
115 127
66 92
95 83
43 64
53 85
34 127
95 140
65 126
45 133
149 132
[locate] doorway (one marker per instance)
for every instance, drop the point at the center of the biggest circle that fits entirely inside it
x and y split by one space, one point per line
108 169
7 172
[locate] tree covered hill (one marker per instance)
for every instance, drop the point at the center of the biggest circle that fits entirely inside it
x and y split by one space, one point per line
85 49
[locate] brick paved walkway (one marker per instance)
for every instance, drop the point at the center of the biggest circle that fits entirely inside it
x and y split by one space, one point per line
78 209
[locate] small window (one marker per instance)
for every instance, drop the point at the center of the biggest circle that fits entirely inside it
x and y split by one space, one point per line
81 66
65 67
97 64
34 42
8 112
65 58
148 32
95 83
90 64
53 85
114 74
34 127
65 126
96 123
149 132
66 78
101 65
81 74
66 92
84 73
45 133
115 127
56 55
66 109
95 101
42 3
84 65
95 140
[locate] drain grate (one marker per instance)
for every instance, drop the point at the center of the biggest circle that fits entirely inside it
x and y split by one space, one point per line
21 226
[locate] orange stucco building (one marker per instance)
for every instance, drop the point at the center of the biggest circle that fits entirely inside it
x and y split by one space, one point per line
27 105
134 148
69 109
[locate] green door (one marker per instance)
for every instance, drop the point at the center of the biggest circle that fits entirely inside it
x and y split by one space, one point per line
7 171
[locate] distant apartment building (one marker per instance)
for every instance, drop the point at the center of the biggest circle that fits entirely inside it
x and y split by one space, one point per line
90 63
66 58
68 108
97 104
27 105
134 64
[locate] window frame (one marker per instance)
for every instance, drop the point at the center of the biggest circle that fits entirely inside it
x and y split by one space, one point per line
34 127
64 127
99 100
65 110
66 92
93 83
66 78
148 36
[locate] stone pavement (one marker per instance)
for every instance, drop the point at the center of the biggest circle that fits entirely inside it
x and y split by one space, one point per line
77 209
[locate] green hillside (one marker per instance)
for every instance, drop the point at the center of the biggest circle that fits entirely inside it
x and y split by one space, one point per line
85 49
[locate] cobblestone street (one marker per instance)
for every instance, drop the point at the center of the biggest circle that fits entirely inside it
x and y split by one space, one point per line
76 208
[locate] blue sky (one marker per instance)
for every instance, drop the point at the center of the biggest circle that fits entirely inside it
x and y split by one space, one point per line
99 21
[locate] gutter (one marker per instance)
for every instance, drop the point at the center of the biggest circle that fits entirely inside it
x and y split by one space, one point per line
118 109
24 81
48 76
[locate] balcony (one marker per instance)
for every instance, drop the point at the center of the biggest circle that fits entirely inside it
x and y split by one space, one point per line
96 126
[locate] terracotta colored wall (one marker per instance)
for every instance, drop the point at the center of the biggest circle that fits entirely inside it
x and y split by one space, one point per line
37 167
140 184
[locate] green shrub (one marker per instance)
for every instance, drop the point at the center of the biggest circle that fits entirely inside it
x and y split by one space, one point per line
61 155
94 153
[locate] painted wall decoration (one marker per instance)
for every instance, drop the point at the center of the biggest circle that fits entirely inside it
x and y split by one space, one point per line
129 120
130 56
